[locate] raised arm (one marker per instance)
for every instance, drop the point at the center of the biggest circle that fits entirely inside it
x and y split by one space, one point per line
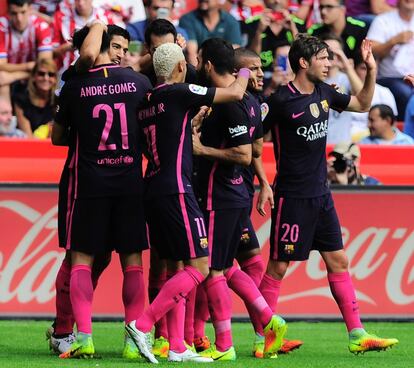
91 46
362 101
236 90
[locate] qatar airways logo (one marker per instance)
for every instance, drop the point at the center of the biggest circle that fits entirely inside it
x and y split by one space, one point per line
314 131
238 130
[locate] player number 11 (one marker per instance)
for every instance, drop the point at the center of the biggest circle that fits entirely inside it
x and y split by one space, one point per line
109 113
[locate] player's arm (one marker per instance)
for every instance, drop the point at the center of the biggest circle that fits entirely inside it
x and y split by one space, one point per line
241 155
362 101
236 90
266 192
47 54
91 46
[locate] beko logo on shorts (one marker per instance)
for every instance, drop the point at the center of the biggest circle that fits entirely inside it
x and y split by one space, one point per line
314 131
238 130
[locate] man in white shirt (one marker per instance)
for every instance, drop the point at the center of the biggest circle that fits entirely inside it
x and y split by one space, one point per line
392 34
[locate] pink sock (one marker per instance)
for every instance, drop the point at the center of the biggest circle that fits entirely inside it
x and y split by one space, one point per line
201 313
155 284
219 305
64 315
170 294
254 267
175 322
245 288
81 295
270 289
189 317
344 293
133 292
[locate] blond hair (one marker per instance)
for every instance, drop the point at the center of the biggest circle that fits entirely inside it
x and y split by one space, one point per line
50 65
165 58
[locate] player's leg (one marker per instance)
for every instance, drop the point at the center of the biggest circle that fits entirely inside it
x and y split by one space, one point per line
162 214
81 296
129 238
328 241
157 278
201 315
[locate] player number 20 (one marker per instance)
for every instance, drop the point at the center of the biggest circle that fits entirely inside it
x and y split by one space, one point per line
109 114
290 233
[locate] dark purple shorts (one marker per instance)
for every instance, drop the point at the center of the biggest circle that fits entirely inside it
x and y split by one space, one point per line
176 227
300 225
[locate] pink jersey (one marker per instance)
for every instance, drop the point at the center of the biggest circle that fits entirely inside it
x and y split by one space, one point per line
22 47
65 23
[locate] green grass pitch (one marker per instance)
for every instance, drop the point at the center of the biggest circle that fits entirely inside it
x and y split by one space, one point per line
22 344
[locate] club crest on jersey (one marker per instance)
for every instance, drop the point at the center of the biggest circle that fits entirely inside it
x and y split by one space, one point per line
289 248
198 90
203 243
314 109
264 109
325 105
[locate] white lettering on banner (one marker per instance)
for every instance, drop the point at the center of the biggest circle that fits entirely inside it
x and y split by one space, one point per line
395 282
20 258
366 253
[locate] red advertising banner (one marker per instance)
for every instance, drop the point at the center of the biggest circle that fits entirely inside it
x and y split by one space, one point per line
378 233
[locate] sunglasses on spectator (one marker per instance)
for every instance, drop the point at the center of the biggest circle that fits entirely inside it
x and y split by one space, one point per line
43 74
329 7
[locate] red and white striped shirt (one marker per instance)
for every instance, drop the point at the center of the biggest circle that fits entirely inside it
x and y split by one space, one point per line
22 47
65 23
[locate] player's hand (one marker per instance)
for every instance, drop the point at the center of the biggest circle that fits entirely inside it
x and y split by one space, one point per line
197 145
265 195
197 120
99 23
181 41
367 56
409 79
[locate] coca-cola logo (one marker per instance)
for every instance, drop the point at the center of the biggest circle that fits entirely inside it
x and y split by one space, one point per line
32 256
369 255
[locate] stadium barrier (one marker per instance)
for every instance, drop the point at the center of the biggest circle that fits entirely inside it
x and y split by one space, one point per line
378 232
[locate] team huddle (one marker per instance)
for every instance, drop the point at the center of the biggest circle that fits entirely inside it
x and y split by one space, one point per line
202 133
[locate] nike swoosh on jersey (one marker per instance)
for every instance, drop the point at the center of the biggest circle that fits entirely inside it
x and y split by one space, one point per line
295 116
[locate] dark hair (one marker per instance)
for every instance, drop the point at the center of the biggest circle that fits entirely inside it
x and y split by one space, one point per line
385 112
114 30
159 27
305 46
241 53
148 3
80 35
220 53
18 2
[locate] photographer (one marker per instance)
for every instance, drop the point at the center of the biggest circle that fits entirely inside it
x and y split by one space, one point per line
343 166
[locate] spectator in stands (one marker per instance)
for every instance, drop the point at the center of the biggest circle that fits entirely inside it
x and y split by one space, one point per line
334 20
35 106
282 72
341 74
208 21
392 36
382 95
366 10
381 127
275 28
343 166
156 9
23 39
66 21
8 122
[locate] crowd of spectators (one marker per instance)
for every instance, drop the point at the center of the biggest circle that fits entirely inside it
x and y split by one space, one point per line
35 49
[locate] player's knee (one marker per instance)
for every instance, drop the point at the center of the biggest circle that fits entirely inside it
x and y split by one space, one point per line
276 269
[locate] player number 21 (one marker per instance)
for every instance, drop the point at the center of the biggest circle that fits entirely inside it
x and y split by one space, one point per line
109 113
